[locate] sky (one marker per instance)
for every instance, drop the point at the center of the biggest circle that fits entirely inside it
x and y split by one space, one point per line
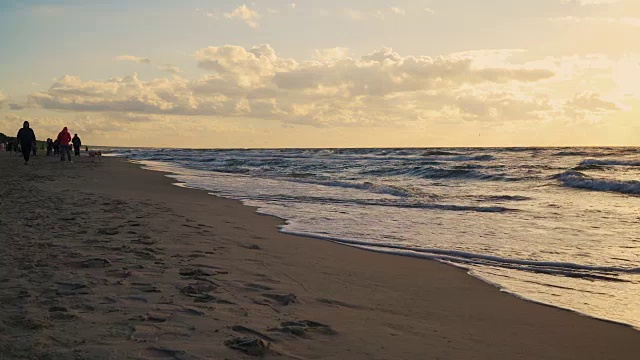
349 73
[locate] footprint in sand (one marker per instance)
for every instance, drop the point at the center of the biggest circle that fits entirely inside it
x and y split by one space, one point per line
338 303
250 246
165 353
283 300
252 346
199 291
107 231
302 328
95 263
257 287
248 331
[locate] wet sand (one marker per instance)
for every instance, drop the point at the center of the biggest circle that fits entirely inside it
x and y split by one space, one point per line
108 261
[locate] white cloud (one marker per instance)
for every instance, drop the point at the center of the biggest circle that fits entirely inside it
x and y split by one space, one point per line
334 89
170 68
246 14
48 126
139 59
331 54
592 102
429 10
397 11
3 99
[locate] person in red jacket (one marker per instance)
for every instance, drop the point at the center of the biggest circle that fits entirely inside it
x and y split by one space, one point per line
64 138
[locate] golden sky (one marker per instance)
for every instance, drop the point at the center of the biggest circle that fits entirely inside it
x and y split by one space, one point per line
329 73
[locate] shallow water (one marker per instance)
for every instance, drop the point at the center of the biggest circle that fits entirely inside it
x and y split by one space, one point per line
556 225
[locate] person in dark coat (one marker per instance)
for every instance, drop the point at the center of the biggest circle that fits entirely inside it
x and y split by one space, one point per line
49 146
26 138
76 144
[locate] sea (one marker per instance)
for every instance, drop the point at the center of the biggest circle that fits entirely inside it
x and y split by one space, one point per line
559 226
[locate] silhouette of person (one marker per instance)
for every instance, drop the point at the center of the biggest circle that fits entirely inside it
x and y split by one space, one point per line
65 149
49 147
26 138
76 144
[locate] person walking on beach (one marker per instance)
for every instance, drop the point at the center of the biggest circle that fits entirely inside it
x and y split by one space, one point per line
65 149
76 144
56 147
26 137
49 146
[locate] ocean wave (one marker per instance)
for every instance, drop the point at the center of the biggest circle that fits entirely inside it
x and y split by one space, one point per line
502 198
574 153
485 157
368 186
387 203
438 173
609 162
576 179
440 153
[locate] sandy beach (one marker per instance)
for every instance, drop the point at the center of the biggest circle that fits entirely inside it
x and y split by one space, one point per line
109 261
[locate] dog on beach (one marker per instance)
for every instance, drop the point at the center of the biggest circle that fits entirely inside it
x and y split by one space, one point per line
93 154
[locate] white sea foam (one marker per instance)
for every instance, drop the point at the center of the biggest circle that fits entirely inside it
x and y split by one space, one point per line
579 180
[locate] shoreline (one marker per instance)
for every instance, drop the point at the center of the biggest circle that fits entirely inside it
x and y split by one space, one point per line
383 249
338 301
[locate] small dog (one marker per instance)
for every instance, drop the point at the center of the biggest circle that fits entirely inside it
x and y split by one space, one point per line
93 154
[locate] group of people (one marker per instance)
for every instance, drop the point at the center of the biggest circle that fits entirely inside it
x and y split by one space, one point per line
26 142
60 146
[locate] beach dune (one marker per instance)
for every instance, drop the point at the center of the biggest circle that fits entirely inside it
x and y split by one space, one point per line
109 261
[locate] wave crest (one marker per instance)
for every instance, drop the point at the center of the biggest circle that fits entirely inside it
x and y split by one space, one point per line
578 180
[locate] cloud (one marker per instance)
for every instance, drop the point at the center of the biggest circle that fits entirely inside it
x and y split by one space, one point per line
49 126
16 106
246 14
592 102
587 106
381 87
141 60
429 10
170 68
397 11
244 67
331 54
3 99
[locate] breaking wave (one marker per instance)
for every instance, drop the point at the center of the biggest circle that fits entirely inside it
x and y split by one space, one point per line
612 162
578 180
